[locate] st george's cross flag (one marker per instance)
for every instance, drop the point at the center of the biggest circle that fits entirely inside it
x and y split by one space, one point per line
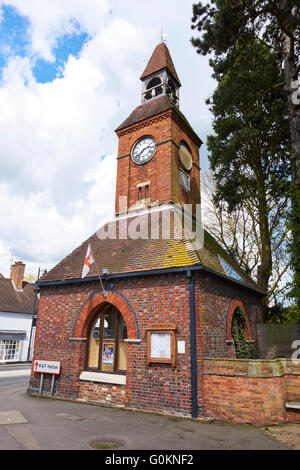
87 262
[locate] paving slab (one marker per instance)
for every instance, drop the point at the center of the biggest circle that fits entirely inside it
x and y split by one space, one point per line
11 417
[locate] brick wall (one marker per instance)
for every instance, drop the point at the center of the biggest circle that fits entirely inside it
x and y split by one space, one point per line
163 170
154 387
215 298
251 391
105 394
66 311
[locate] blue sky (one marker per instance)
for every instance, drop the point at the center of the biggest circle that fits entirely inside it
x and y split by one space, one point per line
15 40
45 71
69 75
13 34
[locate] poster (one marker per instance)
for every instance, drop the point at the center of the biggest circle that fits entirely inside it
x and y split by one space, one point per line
160 345
108 353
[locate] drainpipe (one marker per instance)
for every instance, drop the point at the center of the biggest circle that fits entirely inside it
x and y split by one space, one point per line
193 346
34 313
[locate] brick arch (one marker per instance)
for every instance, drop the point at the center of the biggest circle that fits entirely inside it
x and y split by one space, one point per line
234 304
94 302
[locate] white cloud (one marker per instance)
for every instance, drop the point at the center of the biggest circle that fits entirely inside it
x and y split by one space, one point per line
51 19
55 186
41 233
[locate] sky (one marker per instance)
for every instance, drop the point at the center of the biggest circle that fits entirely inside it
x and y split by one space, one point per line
69 75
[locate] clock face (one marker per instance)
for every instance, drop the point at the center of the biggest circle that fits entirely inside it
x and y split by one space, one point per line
143 150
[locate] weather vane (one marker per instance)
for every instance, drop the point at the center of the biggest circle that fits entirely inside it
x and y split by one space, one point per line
163 36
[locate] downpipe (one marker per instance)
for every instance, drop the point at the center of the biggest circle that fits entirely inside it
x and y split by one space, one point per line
194 394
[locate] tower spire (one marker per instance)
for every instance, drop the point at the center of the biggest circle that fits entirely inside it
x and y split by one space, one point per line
160 76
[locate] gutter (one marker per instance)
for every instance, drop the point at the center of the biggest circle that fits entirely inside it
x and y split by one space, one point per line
150 272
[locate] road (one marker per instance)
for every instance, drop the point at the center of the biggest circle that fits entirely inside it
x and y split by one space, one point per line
14 374
34 423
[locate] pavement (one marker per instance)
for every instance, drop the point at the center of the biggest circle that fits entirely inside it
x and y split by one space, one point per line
288 434
37 423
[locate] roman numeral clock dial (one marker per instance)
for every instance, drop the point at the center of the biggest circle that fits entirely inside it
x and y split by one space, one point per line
143 150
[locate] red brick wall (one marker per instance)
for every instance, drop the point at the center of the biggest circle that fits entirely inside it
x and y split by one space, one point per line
105 394
215 297
163 170
250 391
65 312
155 387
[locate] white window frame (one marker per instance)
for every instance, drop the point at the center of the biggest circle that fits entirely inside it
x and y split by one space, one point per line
7 346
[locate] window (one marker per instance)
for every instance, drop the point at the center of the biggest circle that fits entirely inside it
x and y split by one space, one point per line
107 348
154 88
243 348
185 180
153 83
9 350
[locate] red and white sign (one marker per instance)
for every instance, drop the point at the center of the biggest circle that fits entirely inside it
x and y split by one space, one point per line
46 367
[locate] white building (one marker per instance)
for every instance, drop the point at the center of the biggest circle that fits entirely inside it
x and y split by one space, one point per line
18 307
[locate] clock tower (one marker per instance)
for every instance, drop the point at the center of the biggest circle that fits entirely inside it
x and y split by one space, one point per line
158 155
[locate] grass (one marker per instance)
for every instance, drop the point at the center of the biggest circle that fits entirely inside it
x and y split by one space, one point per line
105 444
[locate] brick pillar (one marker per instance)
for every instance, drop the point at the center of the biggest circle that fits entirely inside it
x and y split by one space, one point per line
17 274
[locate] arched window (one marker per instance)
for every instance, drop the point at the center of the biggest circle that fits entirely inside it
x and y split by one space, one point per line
171 85
243 349
154 82
154 87
107 348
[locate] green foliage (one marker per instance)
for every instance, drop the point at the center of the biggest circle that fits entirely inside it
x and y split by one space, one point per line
30 277
283 315
251 129
243 349
224 22
250 150
226 28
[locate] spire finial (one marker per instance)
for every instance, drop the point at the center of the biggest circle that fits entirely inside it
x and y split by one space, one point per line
163 36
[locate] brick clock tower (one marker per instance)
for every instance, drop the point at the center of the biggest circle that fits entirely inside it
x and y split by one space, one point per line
158 156
138 338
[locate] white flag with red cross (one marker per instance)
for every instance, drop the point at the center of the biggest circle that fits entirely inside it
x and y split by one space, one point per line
87 262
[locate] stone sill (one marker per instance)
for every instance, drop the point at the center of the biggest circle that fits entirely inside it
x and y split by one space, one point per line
293 405
103 378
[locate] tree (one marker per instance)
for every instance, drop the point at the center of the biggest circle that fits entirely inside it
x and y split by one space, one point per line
30 277
226 26
238 233
249 153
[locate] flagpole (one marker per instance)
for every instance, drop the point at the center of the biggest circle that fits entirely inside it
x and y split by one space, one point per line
94 258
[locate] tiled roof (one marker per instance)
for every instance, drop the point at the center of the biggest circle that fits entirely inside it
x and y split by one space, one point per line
16 301
146 110
160 59
151 108
126 255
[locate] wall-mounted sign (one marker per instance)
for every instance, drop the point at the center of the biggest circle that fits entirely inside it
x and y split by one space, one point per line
181 347
46 367
161 345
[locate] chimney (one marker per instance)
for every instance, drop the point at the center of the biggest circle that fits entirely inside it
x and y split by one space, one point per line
17 274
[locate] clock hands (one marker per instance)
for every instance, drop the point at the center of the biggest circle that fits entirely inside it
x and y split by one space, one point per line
145 148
